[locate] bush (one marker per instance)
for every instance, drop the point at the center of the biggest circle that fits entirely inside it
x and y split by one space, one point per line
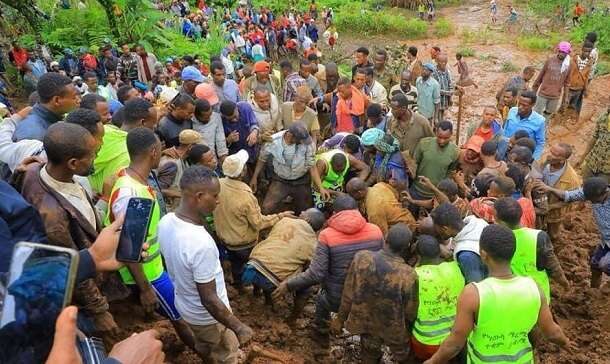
594 23
508 66
538 43
369 23
443 28
466 51
603 68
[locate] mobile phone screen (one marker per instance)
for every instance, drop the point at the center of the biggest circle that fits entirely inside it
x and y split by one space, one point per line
39 286
135 227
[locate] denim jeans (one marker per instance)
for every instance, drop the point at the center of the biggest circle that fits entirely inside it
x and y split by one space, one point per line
471 266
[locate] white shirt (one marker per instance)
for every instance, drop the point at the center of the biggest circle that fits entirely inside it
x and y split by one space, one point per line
191 257
13 153
379 94
468 237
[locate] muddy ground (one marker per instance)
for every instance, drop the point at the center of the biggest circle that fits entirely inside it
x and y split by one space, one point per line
579 310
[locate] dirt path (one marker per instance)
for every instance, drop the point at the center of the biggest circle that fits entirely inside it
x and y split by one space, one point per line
578 311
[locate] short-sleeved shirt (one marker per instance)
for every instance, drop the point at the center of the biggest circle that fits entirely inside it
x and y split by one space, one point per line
191 257
309 118
411 96
434 162
428 95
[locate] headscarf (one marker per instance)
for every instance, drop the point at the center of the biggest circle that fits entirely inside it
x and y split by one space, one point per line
387 149
370 137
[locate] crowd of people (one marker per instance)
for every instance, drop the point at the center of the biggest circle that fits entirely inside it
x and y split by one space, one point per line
271 168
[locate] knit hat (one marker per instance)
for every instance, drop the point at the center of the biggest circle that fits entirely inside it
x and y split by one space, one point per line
234 164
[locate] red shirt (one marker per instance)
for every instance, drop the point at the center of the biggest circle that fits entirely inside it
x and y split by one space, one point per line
20 57
488 135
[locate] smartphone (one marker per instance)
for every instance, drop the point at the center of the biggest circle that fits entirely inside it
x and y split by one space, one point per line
135 228
40 285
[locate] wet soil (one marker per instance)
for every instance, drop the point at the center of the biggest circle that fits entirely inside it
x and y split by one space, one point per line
580 311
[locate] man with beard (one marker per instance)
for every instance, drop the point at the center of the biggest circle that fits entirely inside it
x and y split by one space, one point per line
68 214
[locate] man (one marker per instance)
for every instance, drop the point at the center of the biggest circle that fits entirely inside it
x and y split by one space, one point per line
173 164
262 78
202 155
508 100
361 58
552 81
209 124
436 158
348 106
596 158
90 79
292 81
305 71
113 154
292 152
435 278
406 88
238 219
380 297
66 209
380 204
240 127
503 305
578 78
375 90
524 117
332 77
465 234
382 74
192 260
443 76
534 255
18 56
415 66
375 117
489 128
146 64
58 96
428 94
283 255
349 143
191 77
333 167
69 63
267 110
595 190
319 71
98 104
346 234
148 278
406 125
297 110
226 89
179 118
519 83
557 172
127 67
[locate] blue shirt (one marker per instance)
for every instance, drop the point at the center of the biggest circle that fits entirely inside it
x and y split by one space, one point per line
228 91
244 125
601 212
35 125
534 125
428 95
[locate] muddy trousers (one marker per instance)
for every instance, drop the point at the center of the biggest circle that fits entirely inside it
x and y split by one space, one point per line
325 304
370 350
238 259
279 189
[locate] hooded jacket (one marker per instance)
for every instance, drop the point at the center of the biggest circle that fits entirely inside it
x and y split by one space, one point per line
347 233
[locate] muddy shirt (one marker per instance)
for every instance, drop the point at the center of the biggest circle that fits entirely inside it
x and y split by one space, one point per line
379 297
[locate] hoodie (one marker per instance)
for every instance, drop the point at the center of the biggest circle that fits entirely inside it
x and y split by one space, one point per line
347 233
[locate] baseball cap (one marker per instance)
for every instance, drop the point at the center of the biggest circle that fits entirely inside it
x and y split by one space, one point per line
205 91
564 47
189 136
262 66
190 73
234 164
300 132
167 94
429 66
474 143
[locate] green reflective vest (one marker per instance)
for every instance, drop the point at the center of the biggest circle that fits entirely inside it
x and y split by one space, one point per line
153 264
524 260
333 180
438 289
508 310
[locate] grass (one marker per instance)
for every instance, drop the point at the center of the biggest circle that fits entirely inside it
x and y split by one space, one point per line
443 28
603 68
466 51
384 22
508 67
479 36
538 43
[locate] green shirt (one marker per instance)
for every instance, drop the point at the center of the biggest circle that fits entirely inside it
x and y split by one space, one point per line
434 162
111 158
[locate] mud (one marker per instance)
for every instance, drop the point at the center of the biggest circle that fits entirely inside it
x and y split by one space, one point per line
580 311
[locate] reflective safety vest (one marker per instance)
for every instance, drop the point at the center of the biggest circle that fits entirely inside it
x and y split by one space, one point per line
524 260
333 180
152 265
438 289
508 310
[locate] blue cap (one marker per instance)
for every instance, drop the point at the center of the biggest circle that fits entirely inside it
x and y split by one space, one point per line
191 73
114 106
429 66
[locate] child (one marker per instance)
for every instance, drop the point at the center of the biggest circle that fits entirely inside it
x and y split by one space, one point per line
494 11
462 67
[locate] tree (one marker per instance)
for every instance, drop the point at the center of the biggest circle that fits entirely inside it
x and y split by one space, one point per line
109 8
30 12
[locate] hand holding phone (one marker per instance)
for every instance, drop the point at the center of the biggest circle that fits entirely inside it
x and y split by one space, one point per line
134 230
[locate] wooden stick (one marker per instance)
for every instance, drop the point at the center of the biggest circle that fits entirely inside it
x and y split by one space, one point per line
459 119
256 352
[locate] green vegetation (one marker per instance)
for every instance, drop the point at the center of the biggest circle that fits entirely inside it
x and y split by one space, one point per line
370 23
537 42
508 67
443 28
466 51
603 68
596 23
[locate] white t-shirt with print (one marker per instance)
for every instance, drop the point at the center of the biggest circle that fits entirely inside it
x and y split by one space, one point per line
191 257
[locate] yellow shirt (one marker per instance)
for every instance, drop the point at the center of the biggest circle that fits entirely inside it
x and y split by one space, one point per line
238 217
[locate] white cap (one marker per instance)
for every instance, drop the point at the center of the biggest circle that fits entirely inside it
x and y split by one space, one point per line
54 63
168 94
234 164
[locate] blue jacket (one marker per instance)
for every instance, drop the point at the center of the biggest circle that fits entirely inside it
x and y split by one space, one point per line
534 125
35 125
